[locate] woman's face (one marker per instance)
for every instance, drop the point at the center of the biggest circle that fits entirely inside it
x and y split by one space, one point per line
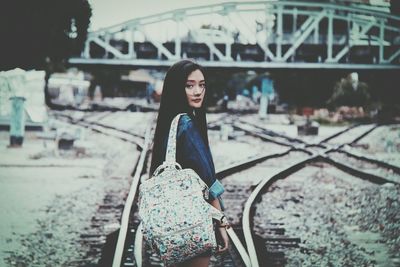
195 89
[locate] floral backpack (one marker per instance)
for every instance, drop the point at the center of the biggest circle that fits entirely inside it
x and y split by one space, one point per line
176 218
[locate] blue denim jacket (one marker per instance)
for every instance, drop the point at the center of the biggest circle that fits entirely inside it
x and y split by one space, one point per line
191 152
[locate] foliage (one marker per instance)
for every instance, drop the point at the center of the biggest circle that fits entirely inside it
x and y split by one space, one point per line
36 34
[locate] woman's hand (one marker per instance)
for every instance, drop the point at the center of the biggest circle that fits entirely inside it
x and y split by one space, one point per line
221 227
225 240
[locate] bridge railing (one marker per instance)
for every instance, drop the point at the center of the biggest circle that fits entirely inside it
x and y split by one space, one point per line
271 31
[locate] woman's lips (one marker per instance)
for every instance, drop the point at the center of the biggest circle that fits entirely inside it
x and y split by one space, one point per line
196 100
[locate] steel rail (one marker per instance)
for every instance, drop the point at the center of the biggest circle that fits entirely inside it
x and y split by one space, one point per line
281 174
116 129
363 135
99 129
248 259
273 133
102 116
222 173
254 195
231 233
326 140
338 133
129 201
91 126
327 150
394 168
338 149
263 136
246 164
357 172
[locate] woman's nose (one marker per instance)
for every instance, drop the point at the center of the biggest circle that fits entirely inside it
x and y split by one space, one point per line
197 90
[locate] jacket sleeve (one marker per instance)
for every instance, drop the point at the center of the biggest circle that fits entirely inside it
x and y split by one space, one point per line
194 154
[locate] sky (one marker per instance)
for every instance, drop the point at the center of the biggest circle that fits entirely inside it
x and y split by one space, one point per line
111 12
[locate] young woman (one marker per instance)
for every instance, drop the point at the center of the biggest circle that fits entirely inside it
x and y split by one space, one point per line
184 91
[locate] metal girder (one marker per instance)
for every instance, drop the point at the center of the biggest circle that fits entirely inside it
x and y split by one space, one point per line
178 41
330 36
279 33
365 27
394 56
263 46
161 48
211 46
213 49
86 49
305 30
346 49
233 65
108 47
131 43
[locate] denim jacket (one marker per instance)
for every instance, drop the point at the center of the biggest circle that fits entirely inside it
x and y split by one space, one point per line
191 152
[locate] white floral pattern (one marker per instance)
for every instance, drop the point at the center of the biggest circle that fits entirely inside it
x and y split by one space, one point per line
176 218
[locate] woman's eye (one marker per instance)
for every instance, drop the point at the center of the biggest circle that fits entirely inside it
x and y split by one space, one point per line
189 86
203 85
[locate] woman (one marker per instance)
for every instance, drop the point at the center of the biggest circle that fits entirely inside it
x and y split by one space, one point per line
184 91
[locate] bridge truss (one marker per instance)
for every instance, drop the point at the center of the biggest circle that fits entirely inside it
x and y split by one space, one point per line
270 34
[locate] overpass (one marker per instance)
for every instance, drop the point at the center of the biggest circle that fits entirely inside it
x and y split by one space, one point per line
267 34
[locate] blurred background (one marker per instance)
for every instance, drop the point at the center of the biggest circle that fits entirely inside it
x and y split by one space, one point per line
80 86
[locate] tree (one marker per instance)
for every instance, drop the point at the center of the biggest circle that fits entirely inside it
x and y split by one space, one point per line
395 10
42 34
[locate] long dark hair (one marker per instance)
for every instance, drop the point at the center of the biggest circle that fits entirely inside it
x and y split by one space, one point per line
173 102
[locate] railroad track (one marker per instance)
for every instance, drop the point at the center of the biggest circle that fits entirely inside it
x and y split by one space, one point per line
111 203
270 250
233 258
90 121
240 197
123 254
130 251
277 136
325 153
328 146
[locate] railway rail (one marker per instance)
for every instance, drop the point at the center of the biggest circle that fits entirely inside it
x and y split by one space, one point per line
325 155
387 174
102 128
243 193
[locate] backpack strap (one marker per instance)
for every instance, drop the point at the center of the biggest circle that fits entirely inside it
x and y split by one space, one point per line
170 157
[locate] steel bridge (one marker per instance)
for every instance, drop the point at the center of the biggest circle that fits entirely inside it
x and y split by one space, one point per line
268 34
